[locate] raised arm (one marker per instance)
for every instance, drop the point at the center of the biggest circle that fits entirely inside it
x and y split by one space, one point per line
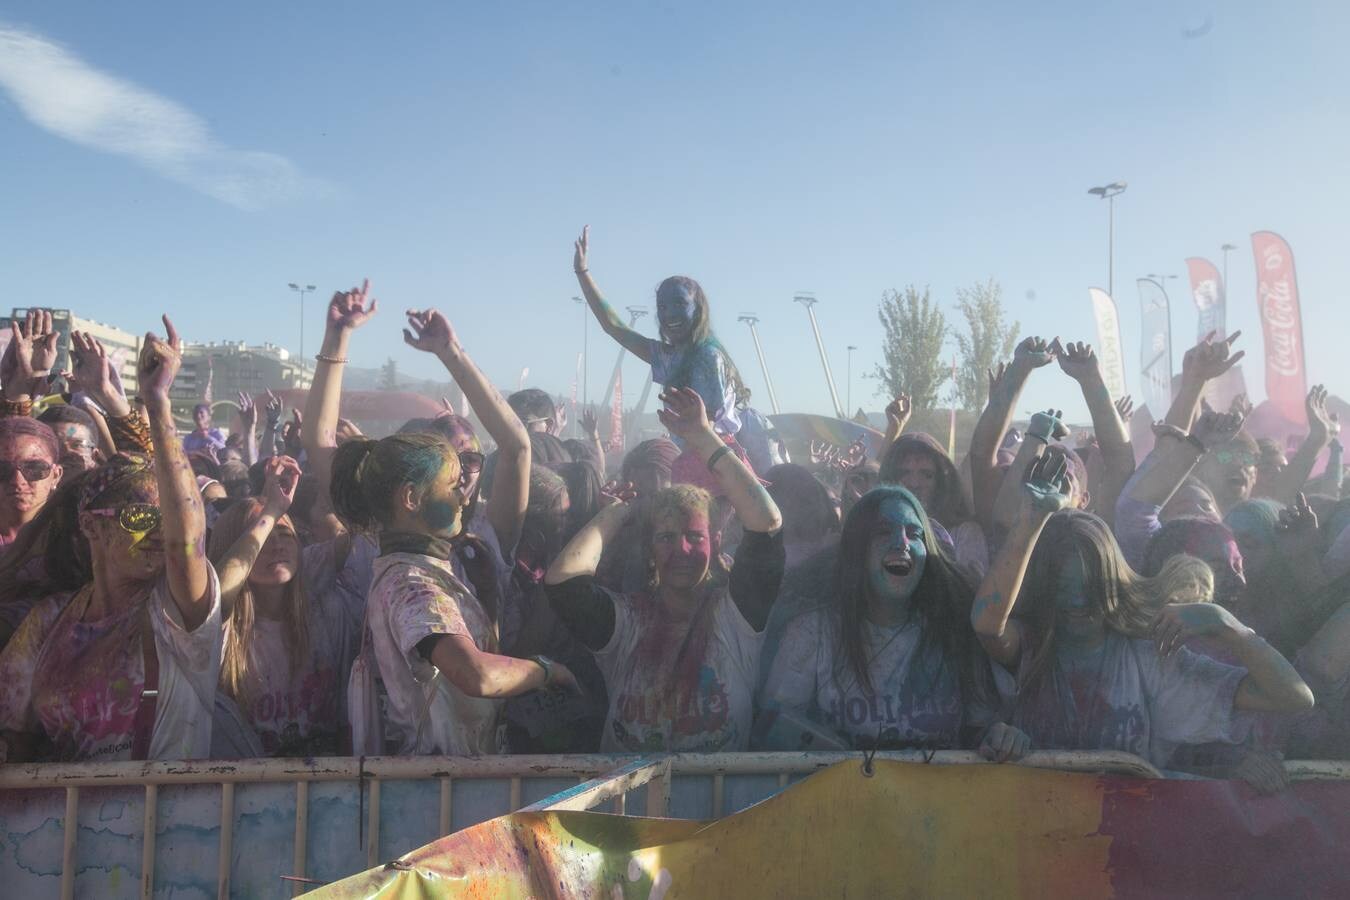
248 420
605 314
1202 363
1289 482
183 523
1005 388
898 412
1043 428
283 473
27 360
94 375
1176 453
584 609
271 424
1046 491
1079 362
431 333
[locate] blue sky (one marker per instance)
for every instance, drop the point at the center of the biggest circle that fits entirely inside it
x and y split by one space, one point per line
451 152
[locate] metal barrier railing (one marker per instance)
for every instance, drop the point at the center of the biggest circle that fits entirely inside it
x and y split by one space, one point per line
603 778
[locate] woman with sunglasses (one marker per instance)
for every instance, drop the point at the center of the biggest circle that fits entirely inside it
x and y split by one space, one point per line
126 667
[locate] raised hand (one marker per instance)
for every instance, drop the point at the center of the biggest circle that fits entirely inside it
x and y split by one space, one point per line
1297 521
94 374
823 453
1177 622
1207 359
1046 484
588 423
1319 419
274 410
346 431
248 412
30 355
431 332
281 475
447 408
159 362
684 414
1241 406
1004 743
290 435
1047 426
1034 352
1077 360
616 492
996 375
1125 407
854 455
1214 428
898 412
580 249
349 310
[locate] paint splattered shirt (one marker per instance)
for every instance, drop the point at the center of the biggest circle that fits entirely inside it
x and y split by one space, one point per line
414 597
80 682
915 700
210 442
703 368
1131 699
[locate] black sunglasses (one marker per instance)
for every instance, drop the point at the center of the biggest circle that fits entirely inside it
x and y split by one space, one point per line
32 470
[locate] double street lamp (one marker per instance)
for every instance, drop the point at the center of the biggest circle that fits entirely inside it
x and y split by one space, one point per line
1109 192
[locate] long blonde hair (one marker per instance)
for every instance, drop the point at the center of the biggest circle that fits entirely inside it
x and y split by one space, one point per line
234 665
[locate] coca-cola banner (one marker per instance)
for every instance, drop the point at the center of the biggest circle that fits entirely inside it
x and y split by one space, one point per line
1282 324
1155 346
1208 292
1109 352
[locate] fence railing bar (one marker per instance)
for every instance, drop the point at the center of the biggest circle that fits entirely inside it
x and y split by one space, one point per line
658 790
226 841
301 834
373 824
148 841
445 807
719 789
69 831
515 793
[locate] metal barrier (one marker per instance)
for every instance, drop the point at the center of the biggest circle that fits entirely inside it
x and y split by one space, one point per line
326 790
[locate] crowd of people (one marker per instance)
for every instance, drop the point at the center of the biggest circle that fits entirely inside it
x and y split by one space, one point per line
474 584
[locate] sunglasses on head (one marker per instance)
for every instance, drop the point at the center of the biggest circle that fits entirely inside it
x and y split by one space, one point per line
471 462
31 470
134 518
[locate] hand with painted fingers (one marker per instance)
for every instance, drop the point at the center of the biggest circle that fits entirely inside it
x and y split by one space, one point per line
898 412
1265 772
1319 418
684 414
580 249
1210 359
1125 407
1047 426
1178 622
274 409
1077 360
349 310
158 364
1213 429
1046 484
1004 743
281 475
430 332
1035 352
92 373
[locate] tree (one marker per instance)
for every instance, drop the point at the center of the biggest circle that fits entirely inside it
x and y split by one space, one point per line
389 375
912 348
989 340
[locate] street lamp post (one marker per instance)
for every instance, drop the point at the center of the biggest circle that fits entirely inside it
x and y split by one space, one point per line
1109 192
848 390
750 319
809 301
302 291
585 358
1226 248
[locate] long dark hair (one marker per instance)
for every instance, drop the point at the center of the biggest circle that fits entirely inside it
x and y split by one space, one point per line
367 474
54 538
700 335
940 604
949 504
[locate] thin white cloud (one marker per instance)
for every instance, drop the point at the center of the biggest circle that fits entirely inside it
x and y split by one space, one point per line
58 91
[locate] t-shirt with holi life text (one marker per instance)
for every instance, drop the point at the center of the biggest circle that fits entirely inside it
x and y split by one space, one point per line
915 700
80 682
689 694
1131 699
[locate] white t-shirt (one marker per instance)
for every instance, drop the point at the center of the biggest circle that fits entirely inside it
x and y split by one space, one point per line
413 597
689 694
914 700
1133 700
80 682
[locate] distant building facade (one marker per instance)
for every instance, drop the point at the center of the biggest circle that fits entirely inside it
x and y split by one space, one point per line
232 368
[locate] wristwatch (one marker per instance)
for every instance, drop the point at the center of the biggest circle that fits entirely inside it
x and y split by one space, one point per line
547 665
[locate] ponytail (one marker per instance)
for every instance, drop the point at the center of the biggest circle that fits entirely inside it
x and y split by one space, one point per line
367 474
349 500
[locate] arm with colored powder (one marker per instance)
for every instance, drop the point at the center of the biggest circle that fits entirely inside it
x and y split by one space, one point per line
898 412
1005 389
605 314
1079 362
585 609
248 420
283 473
431 333
1202 363
1290 481
183 522
1044 427
27 360
1176 453
1045 493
